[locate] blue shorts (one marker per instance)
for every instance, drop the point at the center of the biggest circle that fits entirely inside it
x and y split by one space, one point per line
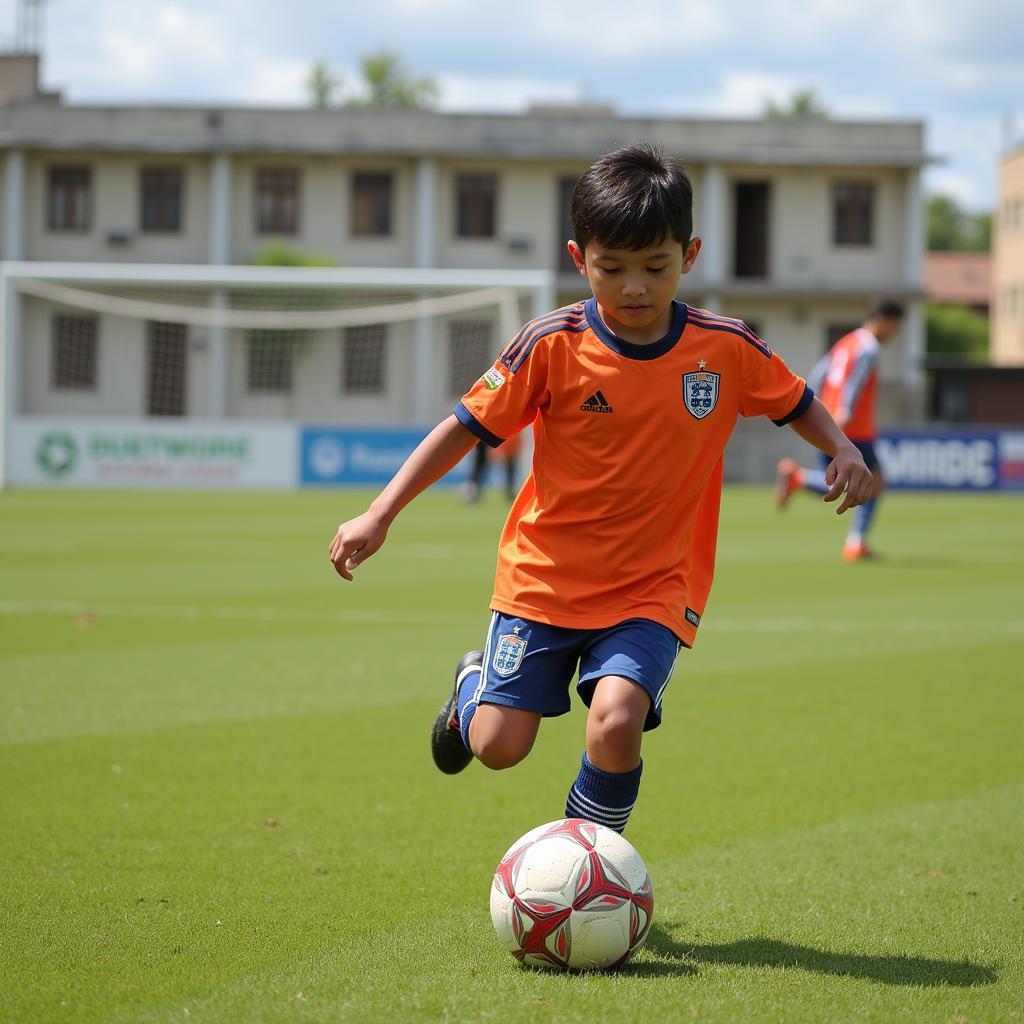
529 665
866 448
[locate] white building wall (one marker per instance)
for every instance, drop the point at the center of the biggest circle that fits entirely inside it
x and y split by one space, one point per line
117 207
120 368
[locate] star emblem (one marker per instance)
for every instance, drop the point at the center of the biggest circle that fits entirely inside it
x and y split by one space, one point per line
702 364
516 629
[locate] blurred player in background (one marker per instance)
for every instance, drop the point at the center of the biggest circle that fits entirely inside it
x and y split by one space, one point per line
483 457
846 381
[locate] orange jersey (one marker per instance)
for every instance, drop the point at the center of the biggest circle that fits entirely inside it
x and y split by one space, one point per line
619 516
848 378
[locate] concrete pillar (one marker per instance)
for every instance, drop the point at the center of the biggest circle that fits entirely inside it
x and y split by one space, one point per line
913 331
14 205
711 226
10 302
220 255
427 199
220 209
914 240
913 273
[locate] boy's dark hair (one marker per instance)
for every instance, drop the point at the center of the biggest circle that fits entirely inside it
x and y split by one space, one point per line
632 198
887 308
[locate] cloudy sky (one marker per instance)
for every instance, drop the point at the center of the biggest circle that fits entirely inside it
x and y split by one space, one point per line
957 66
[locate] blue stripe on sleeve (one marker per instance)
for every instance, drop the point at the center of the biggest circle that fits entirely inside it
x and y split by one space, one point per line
799 409
474 426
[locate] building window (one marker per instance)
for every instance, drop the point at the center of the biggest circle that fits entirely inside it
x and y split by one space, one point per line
167 351
371 205
161 198
271 361
74 341
277 201
752 202
852 212
833 332
70 205
470 350
476 198
362 360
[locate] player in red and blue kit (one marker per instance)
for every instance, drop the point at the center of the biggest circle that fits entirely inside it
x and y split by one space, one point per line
846 381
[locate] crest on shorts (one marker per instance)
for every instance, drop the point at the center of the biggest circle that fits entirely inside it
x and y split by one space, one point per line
700 392
508 655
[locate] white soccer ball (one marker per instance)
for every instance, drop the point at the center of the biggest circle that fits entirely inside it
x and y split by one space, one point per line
572 895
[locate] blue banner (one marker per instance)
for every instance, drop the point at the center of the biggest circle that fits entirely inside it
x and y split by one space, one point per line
339 455
952 460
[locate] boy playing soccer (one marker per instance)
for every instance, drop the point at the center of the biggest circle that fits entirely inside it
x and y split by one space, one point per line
846 380
606 559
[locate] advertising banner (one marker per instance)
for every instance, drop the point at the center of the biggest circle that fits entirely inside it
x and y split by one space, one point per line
339 455
58 452
952 460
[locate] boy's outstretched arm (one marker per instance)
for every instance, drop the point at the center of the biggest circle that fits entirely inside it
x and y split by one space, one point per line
441 450
846 472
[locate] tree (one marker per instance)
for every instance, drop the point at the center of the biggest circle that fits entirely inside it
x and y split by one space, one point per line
389 84
956 331
279 254
803 103
952 228
322 84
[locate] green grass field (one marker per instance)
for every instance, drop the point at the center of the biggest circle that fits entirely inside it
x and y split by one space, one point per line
218 803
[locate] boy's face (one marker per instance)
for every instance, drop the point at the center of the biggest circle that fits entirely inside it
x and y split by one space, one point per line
635 287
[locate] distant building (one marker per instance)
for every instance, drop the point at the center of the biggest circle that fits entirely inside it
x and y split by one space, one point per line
804 220
959 278
1007 338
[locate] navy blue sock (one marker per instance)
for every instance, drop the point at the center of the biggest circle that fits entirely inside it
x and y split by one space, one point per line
467 700
604 797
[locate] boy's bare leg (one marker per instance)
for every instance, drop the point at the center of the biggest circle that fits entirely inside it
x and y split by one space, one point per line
501 736
606 787
615 725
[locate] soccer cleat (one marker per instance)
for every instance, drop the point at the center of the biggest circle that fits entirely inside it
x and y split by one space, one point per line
789 479
450 753
857 551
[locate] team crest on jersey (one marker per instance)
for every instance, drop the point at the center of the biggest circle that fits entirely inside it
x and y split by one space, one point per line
700 392
508 655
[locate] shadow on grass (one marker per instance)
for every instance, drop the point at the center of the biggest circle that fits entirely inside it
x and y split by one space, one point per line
683 957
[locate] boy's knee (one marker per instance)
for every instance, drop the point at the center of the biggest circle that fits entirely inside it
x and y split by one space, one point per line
615 726
498 752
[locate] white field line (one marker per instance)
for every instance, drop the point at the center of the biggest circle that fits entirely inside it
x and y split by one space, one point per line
356 615
195 612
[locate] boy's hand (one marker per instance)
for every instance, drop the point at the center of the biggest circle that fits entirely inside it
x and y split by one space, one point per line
847 472
355 541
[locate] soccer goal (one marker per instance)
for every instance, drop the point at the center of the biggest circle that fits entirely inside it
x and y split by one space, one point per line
191 345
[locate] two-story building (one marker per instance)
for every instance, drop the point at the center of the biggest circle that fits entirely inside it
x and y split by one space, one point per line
803 220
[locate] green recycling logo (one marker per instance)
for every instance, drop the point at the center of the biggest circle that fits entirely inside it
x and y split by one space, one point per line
57 453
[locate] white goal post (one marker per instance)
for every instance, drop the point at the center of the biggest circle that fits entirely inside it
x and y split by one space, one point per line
370 347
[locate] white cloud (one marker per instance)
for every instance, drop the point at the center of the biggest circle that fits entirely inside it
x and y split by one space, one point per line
957 186
608 28
497 93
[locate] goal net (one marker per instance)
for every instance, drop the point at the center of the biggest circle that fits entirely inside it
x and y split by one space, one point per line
366 347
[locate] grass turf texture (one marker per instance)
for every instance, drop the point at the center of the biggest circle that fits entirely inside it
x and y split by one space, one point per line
218 802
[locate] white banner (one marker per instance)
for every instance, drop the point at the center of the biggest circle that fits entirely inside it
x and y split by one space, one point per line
58 452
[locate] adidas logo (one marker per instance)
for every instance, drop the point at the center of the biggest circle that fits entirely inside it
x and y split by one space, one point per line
596 403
